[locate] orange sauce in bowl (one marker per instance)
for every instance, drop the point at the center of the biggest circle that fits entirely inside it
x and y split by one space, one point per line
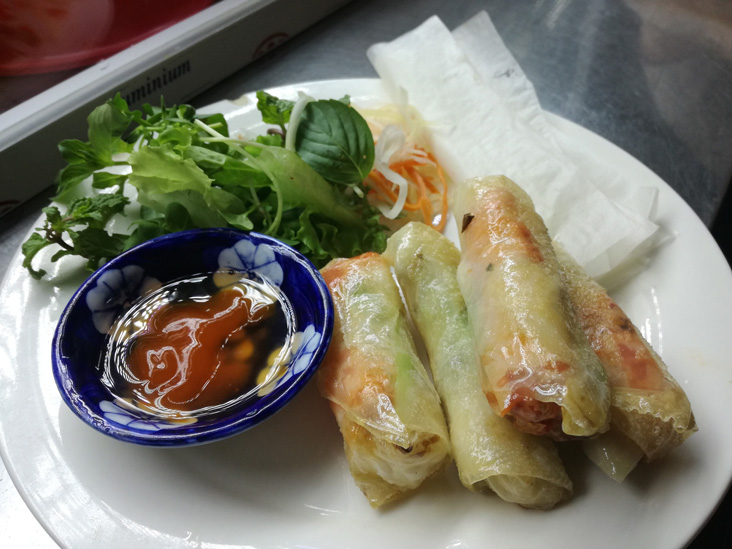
198 345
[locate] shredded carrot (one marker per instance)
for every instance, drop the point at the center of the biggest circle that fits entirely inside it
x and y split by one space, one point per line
423 201
422 187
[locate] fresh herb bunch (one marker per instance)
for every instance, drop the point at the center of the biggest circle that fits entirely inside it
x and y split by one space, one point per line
185 171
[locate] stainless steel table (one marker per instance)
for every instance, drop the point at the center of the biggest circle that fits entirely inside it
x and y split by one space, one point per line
652 76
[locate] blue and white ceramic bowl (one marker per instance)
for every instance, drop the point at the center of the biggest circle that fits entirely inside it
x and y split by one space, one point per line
81 336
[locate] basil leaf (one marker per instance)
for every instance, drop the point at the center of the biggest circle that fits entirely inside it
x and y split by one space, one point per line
335 141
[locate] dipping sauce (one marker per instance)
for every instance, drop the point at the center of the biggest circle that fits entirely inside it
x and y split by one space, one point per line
201 344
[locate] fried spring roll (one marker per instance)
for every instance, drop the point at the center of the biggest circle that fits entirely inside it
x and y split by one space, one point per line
650 413
387 409
489 452
539 370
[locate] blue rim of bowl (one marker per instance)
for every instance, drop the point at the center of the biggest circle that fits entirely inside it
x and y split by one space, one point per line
263 408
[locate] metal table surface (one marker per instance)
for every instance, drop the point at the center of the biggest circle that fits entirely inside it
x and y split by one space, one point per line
652 76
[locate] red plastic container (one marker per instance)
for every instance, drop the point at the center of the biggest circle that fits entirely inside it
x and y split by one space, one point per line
39 36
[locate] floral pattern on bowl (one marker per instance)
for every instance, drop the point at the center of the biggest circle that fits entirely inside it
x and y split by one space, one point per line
114 292
81 334
129 417
246 256
304 345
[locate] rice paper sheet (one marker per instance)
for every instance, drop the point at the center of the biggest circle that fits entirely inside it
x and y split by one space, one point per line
539 369
484 119
388 411
488 451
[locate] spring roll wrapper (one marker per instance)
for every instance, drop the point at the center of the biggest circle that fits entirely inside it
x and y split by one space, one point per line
488 451
648 406
387 409
539 368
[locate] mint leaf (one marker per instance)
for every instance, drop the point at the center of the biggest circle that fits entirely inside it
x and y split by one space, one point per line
335 141
95 211
74 151
107 124
30 248
97 245
69 177
93 242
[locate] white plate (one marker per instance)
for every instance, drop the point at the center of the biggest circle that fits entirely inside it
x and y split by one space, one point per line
286 484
